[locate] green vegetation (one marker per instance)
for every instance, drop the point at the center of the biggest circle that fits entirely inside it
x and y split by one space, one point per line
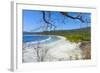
77 35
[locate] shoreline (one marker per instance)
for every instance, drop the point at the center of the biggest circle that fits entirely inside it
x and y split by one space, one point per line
58 50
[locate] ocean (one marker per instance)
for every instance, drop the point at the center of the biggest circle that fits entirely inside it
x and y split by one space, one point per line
34 38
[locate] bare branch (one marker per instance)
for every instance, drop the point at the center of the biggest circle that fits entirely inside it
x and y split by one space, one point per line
79 16
47 21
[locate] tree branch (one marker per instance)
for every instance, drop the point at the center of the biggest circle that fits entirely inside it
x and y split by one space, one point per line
46 21
79 16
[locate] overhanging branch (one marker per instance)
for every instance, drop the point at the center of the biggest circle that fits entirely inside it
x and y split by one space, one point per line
79 16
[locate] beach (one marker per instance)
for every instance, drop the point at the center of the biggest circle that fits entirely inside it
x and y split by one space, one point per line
59 50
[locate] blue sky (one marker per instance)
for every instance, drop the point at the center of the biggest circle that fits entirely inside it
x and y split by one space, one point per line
33 19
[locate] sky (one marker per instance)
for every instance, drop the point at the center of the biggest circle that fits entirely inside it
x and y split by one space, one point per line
33 19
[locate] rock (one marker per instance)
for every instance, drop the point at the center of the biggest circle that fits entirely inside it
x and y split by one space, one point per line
85 46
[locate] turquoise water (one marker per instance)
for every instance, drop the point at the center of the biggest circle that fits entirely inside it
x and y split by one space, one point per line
53 39
35 38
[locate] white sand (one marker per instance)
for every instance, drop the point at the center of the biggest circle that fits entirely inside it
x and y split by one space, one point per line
55 51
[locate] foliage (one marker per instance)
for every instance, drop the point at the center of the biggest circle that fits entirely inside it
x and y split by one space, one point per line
72 35
76 35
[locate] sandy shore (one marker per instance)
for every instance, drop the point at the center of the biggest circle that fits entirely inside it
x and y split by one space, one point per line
58 50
